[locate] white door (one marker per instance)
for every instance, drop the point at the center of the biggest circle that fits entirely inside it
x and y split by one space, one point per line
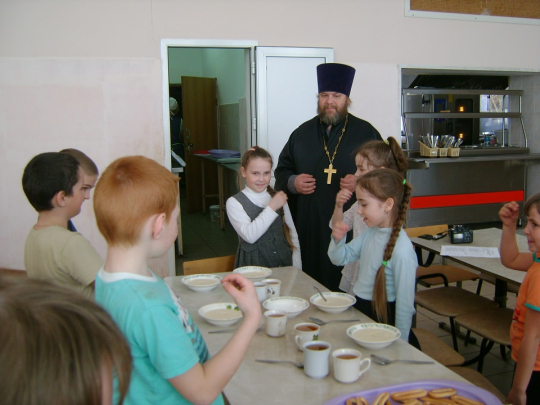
286 92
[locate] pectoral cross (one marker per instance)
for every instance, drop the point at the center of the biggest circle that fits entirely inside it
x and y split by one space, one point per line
330 172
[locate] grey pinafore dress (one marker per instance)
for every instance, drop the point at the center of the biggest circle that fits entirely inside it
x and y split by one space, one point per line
270 250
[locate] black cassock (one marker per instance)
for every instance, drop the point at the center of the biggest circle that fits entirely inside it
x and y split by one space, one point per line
304 153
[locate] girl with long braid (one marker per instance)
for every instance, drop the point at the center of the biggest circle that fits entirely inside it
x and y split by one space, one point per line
385 285
261 217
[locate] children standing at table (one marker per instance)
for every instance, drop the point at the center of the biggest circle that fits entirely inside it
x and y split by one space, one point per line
261 217
56 186
386 282
136 210
525 329
371 155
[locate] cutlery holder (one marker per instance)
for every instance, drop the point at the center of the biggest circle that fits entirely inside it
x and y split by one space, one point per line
429 152
443 152
453 152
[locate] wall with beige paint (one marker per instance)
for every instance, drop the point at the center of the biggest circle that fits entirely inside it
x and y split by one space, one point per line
87 74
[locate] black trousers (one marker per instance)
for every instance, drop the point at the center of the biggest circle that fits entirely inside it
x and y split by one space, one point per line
366 308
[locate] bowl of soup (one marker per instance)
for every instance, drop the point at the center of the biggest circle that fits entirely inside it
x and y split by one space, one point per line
254 273
335 303
201 282
373 336
221 314
294 306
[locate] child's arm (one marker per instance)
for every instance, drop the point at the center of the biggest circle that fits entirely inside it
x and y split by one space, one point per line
296 255
526 358
342 197
510 255
249 230
341 253
204 382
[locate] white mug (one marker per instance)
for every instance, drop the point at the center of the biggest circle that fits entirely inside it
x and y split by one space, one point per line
276 322
348 365
263 292
274 286
316 355
306 332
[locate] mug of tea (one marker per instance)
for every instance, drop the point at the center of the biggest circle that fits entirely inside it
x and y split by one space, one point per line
316 355
348 365
276 322
306 332
263 292
274 287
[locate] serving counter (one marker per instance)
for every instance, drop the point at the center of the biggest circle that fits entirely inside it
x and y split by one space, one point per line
468 189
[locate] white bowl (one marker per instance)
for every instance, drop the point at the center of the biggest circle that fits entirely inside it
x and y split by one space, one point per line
337 302
201 282
293 305
254 273
373 336
221 314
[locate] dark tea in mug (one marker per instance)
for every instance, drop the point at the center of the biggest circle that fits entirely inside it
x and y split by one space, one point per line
306 328
316 347
347 356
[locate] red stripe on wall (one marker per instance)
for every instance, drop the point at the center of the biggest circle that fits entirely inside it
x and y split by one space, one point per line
454 200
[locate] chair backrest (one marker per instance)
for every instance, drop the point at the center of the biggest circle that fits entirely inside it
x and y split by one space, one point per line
213 265
12 272
426 230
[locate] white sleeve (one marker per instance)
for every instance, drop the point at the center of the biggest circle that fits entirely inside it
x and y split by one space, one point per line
249 230
296 255
343 253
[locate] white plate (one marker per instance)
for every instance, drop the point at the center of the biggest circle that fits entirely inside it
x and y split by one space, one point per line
373 336
221 314
201 282
254 273
293 305
337 302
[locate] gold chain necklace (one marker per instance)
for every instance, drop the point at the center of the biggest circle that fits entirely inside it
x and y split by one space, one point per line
331 169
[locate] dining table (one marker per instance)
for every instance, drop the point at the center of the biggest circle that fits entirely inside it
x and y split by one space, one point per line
492 266
283 383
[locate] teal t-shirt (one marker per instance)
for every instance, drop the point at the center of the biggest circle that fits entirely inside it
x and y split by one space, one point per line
163 339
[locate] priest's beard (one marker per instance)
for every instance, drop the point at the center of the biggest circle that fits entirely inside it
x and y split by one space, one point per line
332 118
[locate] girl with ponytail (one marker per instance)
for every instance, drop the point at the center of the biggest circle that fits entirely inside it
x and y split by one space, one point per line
261 217
385 284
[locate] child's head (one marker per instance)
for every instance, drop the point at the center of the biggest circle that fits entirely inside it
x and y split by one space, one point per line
388 193
88 167
532 230
378 154
60 347
129 192
257 168
48 174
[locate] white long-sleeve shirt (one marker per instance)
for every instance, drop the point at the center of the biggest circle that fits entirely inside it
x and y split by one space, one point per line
251 231
400 270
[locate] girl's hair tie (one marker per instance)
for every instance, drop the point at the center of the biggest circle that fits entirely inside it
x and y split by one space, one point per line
404 181
386 141
385 263
252 149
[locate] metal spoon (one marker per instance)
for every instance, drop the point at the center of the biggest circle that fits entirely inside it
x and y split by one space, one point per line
299 365
320 293
384 361
321 322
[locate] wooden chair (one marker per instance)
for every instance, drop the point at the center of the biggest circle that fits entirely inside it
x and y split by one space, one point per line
12 272
493 325
453 274
438 350
475 378
213 265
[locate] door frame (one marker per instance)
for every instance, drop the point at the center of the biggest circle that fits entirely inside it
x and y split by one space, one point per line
194 43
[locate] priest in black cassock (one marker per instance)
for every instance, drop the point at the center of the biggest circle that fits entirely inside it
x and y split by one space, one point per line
316 162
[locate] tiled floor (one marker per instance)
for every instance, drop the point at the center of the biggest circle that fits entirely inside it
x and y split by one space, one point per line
203 239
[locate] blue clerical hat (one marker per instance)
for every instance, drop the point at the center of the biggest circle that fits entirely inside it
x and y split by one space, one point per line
335 77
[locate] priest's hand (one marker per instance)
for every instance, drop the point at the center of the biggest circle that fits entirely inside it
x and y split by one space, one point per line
278 200
304 183
348 182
